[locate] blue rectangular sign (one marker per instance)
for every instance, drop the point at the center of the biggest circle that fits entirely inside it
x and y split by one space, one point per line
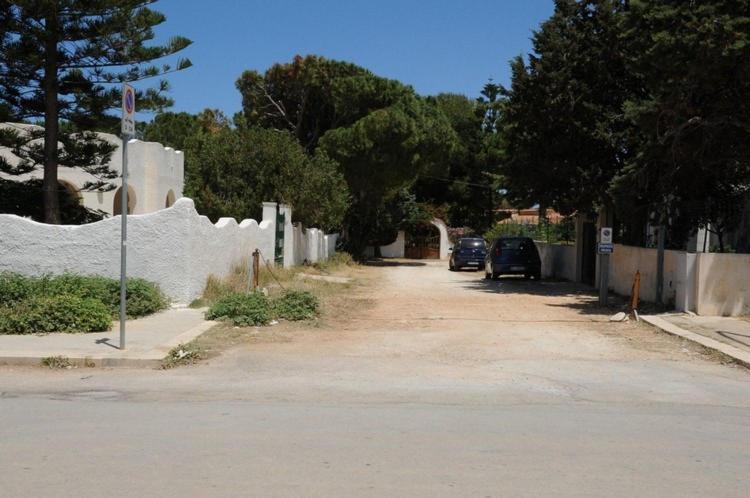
606 248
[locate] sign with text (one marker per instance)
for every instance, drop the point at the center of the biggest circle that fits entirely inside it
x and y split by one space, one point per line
606 248
606 235
128 110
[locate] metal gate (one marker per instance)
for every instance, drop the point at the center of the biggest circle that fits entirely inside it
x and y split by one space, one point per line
278 255
423 247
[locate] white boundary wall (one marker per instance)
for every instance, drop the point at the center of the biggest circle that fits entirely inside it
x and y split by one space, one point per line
707 283
558 261
175 248
312 245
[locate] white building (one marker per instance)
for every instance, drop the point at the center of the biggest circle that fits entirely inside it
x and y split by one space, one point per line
155 176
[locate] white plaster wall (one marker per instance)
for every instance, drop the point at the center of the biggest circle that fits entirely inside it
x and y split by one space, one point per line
558 261
175 248
626 260
445 242
723 284
312 245
153 170
396 248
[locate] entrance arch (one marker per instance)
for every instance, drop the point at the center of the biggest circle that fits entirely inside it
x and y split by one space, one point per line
170 199
117 204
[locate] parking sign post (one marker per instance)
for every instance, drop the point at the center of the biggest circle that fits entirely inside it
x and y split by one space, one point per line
128 131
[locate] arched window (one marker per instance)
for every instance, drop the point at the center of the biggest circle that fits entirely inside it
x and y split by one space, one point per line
170 199
117 204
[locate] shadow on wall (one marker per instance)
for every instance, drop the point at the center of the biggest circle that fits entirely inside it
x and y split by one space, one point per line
117 203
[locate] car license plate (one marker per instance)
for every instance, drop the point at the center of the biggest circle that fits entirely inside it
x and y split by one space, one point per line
473 263
517 268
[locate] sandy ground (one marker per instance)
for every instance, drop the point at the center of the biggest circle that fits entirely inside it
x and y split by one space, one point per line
422 382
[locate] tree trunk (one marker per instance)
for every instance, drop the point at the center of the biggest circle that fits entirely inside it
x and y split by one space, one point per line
50 186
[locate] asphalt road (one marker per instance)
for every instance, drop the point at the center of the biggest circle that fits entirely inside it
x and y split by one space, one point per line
444 385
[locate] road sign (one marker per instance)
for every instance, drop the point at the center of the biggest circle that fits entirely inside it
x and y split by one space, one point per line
604 248
606 235
128 110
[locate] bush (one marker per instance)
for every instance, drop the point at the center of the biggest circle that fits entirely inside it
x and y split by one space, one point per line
143 298
242 309
43 314
15 288
296 305
338 259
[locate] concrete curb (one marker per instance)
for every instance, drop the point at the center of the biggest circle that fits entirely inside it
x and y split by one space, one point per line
738 355
147 359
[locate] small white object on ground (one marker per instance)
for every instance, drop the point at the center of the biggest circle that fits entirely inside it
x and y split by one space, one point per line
618 317
274 322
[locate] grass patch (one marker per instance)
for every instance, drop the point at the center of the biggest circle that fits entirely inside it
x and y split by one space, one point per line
296 305
183 354
242 309
56 362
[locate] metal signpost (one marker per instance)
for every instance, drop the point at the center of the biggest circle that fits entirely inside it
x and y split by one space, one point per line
604 248
128 131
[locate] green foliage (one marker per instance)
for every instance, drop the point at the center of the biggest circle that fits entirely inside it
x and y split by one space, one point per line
468 189
171 129
690 126
230 172
561 119
143 298
60 313
340 258
296 305
242 309
25 199
64 62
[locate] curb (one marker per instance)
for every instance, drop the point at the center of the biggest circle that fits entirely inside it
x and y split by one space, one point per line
738 355
147 359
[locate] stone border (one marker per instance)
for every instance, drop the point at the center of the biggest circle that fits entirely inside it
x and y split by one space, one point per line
738 355
148 359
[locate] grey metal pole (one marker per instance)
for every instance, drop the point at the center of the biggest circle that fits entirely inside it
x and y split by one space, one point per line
123 239
603 279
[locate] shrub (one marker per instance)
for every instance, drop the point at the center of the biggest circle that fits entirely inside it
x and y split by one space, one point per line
296 305
337 260
42 314
15 288
183 354
242 309
143 297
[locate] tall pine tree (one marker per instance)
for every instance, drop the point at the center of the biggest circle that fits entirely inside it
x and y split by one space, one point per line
62 61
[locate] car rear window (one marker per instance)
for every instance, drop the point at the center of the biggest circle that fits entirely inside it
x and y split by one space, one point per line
471 243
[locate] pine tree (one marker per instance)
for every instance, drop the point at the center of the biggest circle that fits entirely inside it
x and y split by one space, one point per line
62 61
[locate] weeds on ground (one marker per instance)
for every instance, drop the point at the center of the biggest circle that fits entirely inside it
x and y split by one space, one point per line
242 309
56 362
296 305
183 354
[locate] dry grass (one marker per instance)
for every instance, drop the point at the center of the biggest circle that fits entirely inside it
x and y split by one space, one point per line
338 301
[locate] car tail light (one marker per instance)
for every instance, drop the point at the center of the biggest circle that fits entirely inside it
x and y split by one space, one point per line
498 251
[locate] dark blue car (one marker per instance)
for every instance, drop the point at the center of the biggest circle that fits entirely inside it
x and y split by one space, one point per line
513 256
468 253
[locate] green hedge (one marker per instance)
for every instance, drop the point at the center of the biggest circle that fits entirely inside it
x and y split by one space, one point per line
75 303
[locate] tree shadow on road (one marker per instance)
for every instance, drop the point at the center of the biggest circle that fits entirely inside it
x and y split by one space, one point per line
582 298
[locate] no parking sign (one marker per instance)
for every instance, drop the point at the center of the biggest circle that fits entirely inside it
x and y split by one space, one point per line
128 110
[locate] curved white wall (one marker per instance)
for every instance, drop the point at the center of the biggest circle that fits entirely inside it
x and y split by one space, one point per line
175 247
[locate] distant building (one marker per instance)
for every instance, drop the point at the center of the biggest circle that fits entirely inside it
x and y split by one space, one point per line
528 216
155 176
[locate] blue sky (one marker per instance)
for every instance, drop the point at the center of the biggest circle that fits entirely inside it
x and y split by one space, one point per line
434 45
